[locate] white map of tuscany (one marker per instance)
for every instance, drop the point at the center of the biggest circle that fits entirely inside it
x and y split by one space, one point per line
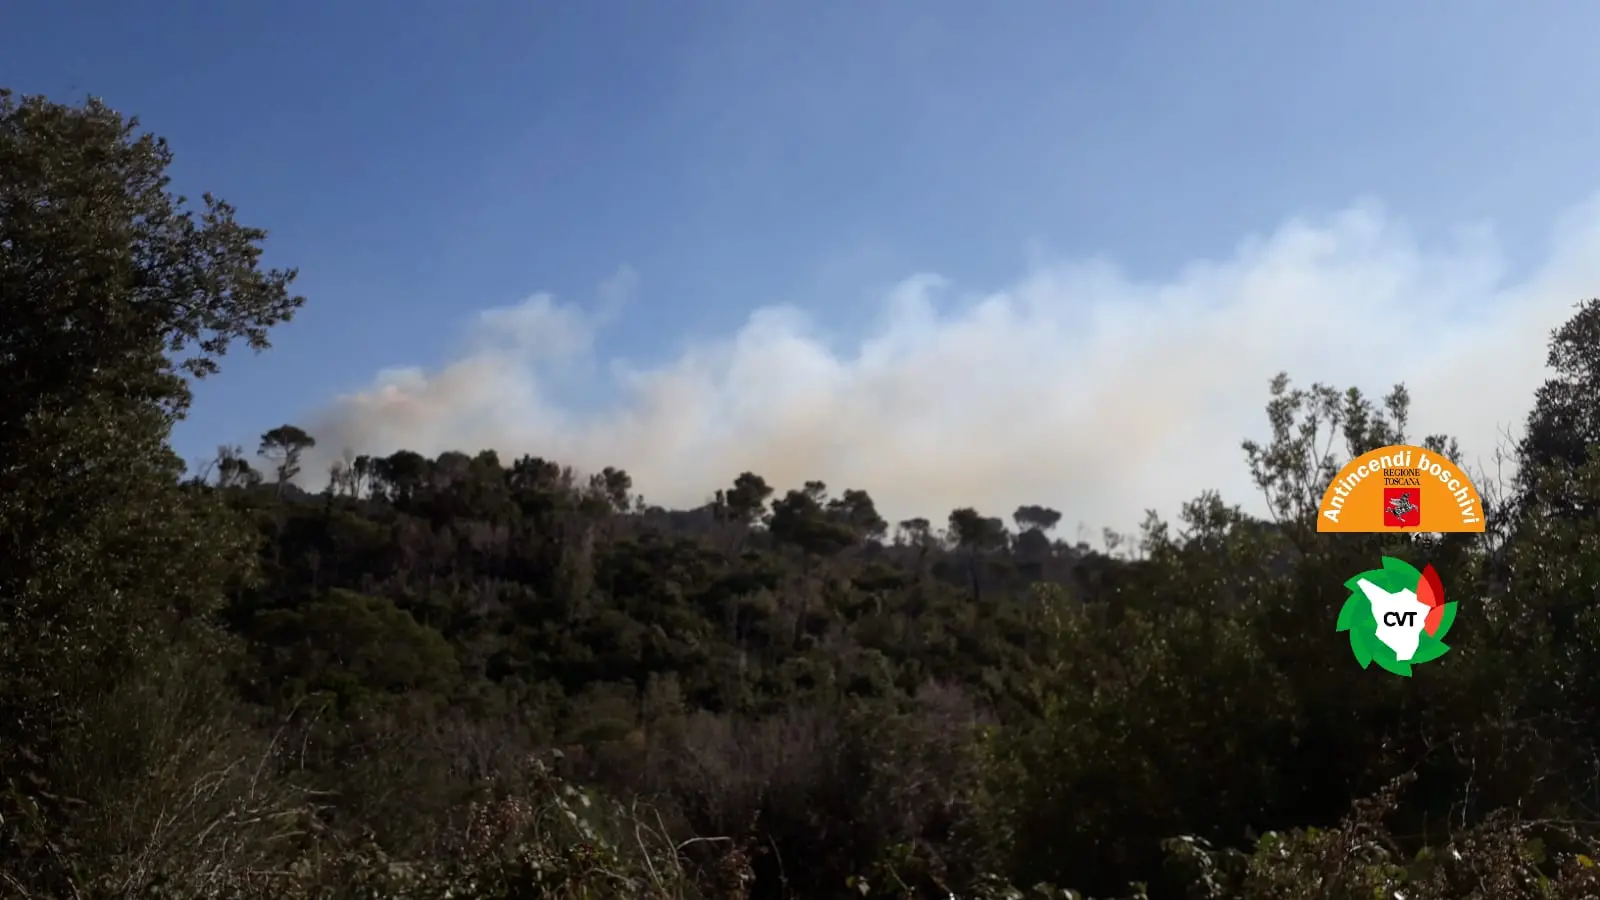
1402 639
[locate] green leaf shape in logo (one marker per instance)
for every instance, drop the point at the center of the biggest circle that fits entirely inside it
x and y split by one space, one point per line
1356 618
1361 646
1429 650
1446 619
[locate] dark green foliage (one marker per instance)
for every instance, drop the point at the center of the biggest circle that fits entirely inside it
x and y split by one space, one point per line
394 688
111 294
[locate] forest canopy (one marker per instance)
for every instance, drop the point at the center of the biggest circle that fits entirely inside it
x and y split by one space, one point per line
470 676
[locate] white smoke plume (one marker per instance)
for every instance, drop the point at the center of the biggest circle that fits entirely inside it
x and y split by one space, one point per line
1077 386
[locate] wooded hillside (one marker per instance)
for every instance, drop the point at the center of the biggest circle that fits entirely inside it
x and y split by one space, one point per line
475 676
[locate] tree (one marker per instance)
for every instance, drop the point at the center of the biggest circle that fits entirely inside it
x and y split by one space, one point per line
1564 426
362 469
1034 524
748 499
449 470
614 486
856 510
1295 467
113 296
403 473
917 532
282 447
1036 518
976 536
233 470
802 519
974 532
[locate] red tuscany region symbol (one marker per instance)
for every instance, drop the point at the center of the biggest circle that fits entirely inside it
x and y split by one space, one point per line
1402 507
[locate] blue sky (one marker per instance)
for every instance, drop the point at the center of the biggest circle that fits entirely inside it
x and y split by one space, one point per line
724 201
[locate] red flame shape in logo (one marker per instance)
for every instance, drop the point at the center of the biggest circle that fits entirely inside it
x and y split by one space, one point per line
1431 592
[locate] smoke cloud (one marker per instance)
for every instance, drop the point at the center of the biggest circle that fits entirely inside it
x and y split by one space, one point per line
1078 386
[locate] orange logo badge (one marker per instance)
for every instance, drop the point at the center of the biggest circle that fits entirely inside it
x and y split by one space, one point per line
1400 488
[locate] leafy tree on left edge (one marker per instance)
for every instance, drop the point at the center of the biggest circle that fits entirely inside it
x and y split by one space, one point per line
113 295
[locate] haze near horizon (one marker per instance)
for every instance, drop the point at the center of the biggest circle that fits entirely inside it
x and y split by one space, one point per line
953 256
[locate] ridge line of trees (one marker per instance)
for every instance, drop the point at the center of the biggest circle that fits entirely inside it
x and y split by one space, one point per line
462 677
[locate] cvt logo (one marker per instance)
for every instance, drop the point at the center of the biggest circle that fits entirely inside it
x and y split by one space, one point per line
1397 616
